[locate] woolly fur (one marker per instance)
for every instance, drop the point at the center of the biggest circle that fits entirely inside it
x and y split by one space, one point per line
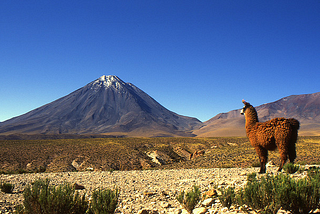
276 133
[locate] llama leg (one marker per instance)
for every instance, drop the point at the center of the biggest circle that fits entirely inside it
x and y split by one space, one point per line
263 156
292 147
284 157
292 153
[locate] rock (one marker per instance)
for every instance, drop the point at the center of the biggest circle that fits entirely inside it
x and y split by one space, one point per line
176 211
78 186
60 164
144 164
184 211
182 153
208 202
270 164
145 211
36 166
197 154
75 164
79 162
200 210
155 158
224 209
165 193
159 157
164 204
211 193
29 166
149 193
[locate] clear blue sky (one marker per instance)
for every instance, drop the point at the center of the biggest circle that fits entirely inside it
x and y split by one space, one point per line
196 58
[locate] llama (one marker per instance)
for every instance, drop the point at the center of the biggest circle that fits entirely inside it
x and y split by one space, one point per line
276 133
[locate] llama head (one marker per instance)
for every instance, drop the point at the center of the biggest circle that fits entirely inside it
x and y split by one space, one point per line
246 105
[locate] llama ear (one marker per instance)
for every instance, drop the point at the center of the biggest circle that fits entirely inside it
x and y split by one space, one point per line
245 103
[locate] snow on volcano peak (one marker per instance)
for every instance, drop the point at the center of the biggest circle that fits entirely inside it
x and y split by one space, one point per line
108 81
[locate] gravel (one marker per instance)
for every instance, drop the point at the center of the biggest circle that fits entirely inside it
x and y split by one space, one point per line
148 191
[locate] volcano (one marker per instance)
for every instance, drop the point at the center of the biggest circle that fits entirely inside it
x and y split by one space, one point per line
105 106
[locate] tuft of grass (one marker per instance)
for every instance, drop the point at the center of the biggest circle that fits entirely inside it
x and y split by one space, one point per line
227 196
291 168
46 199
6 187
251 177
189 199
314 173
104 201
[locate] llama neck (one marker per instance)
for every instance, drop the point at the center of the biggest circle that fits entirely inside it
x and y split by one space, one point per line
251 116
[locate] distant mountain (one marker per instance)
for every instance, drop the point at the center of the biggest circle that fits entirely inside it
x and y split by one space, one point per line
305 108
105 106
110 106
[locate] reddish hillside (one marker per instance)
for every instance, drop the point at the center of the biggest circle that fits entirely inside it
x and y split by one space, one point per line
305 108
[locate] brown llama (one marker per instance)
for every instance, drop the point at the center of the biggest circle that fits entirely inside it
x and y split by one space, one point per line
276 133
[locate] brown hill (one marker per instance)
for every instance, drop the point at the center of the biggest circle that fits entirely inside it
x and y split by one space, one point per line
305 108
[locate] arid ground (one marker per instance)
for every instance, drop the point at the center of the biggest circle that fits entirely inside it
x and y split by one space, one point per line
110 154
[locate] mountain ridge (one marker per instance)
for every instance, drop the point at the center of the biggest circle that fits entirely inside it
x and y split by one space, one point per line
305 108
109 106
106 105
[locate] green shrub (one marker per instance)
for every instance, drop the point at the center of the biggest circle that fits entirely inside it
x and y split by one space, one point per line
227 197
190 199
6 187
291 168
304 197
104 201
251 177
263 195
46 199
271 193
314 173
43 198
